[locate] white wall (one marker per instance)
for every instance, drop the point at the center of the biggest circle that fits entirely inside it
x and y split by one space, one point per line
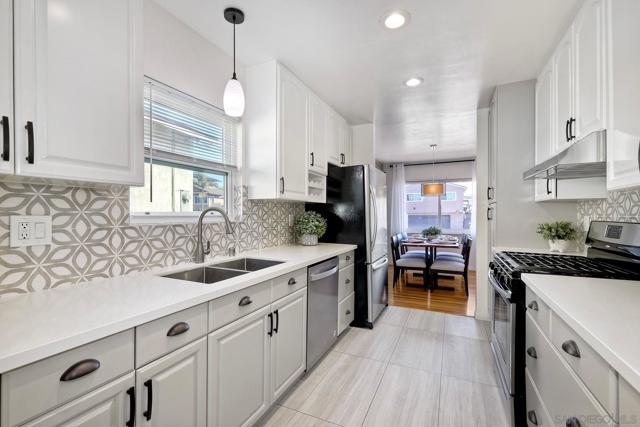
176 55
482 181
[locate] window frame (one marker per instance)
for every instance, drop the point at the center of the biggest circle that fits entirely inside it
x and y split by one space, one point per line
440 200
232 174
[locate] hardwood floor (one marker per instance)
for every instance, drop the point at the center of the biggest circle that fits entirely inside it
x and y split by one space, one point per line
415 296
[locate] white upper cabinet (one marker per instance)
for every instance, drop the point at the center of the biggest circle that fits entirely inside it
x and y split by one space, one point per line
623 135
545 131
292 143
78 90
345 143
6 86
319 123
589 73
563 71
333 139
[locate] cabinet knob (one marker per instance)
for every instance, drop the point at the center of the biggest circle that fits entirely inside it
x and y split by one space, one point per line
80 369
571 348
348 258
178 329
533 305
245 301
531 351
533 419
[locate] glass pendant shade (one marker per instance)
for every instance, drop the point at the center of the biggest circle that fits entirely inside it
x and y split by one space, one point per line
233 99
432 189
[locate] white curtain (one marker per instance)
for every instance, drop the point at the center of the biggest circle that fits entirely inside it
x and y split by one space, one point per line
398 223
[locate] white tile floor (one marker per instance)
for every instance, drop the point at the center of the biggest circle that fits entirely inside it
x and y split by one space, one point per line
415 368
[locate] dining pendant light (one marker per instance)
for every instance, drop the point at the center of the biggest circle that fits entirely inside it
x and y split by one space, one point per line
433 188
233 99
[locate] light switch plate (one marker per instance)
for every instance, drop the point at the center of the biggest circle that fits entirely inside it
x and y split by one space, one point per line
30 230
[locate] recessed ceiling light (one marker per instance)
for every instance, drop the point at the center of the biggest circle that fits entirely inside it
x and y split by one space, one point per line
414 81
396 19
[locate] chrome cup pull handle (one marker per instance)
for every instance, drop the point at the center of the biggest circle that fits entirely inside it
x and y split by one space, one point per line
531 351
245 301
177 329
571 348
80 369
533 305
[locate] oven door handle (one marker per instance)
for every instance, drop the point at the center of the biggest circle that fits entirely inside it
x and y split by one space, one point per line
499 289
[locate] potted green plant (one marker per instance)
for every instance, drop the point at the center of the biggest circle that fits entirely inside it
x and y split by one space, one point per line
559 234
431 232
309 227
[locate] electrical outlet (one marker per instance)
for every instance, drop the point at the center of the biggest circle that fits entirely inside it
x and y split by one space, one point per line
30 230
24 231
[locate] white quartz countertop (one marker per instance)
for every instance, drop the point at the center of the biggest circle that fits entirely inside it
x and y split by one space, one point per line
41 324
605 313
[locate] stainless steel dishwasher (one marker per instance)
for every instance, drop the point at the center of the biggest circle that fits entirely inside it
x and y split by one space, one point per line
322 309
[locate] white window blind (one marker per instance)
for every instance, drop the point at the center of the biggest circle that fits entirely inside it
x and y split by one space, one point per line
179 127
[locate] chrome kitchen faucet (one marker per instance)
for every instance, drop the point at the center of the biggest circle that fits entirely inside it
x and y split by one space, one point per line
200 250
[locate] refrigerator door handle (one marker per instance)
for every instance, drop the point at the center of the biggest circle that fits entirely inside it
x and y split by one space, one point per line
382 263
374 227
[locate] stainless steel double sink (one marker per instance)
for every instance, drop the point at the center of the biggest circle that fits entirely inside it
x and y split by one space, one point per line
223 271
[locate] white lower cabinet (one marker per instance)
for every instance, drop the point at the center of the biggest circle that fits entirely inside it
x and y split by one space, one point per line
288 342
172 391
239 365
629 405
109 405
254 360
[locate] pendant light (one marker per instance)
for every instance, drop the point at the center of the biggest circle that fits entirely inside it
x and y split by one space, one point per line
433 188
233 99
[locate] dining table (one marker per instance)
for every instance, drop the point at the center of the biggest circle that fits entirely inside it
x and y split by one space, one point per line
430 250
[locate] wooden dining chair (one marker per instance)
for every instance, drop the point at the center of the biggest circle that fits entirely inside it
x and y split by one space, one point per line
454 256
403 249
447 266
403 263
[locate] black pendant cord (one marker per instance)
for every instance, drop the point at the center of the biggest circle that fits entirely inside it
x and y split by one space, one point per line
234 48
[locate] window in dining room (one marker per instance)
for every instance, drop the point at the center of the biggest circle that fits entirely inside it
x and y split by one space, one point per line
451 211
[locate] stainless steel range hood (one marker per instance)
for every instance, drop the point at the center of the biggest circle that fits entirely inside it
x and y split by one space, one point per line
586 158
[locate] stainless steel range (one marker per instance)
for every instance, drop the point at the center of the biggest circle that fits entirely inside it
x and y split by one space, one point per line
613 253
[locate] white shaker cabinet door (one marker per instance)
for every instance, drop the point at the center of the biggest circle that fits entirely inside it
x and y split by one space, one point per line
172 391
292 140
6 86
333 139
544 100
629 404
318 124
108 406
345 144
78 90
238 371
623 134
563 71
589 48
288 344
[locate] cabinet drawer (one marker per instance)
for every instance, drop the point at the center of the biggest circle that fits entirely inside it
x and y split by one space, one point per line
345 259
345 312
561 392
230 307
538 310
162 336
345 282
289 283
34 389
537 414
599 378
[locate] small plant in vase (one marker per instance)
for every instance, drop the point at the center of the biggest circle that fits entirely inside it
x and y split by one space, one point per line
559 234
309 227
431 232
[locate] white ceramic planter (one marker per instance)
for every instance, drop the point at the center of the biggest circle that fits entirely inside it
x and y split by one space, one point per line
308 240
559 245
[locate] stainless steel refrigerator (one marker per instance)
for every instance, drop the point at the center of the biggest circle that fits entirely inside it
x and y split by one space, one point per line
356 213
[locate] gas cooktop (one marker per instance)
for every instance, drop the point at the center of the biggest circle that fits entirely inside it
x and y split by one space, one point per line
565 265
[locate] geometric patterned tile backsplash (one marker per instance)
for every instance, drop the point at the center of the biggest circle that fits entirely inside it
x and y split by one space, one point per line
92 238
621 206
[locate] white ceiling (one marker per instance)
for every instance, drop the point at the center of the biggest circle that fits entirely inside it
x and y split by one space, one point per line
462 49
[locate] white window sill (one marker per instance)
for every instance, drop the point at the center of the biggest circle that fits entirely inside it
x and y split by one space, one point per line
174 218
